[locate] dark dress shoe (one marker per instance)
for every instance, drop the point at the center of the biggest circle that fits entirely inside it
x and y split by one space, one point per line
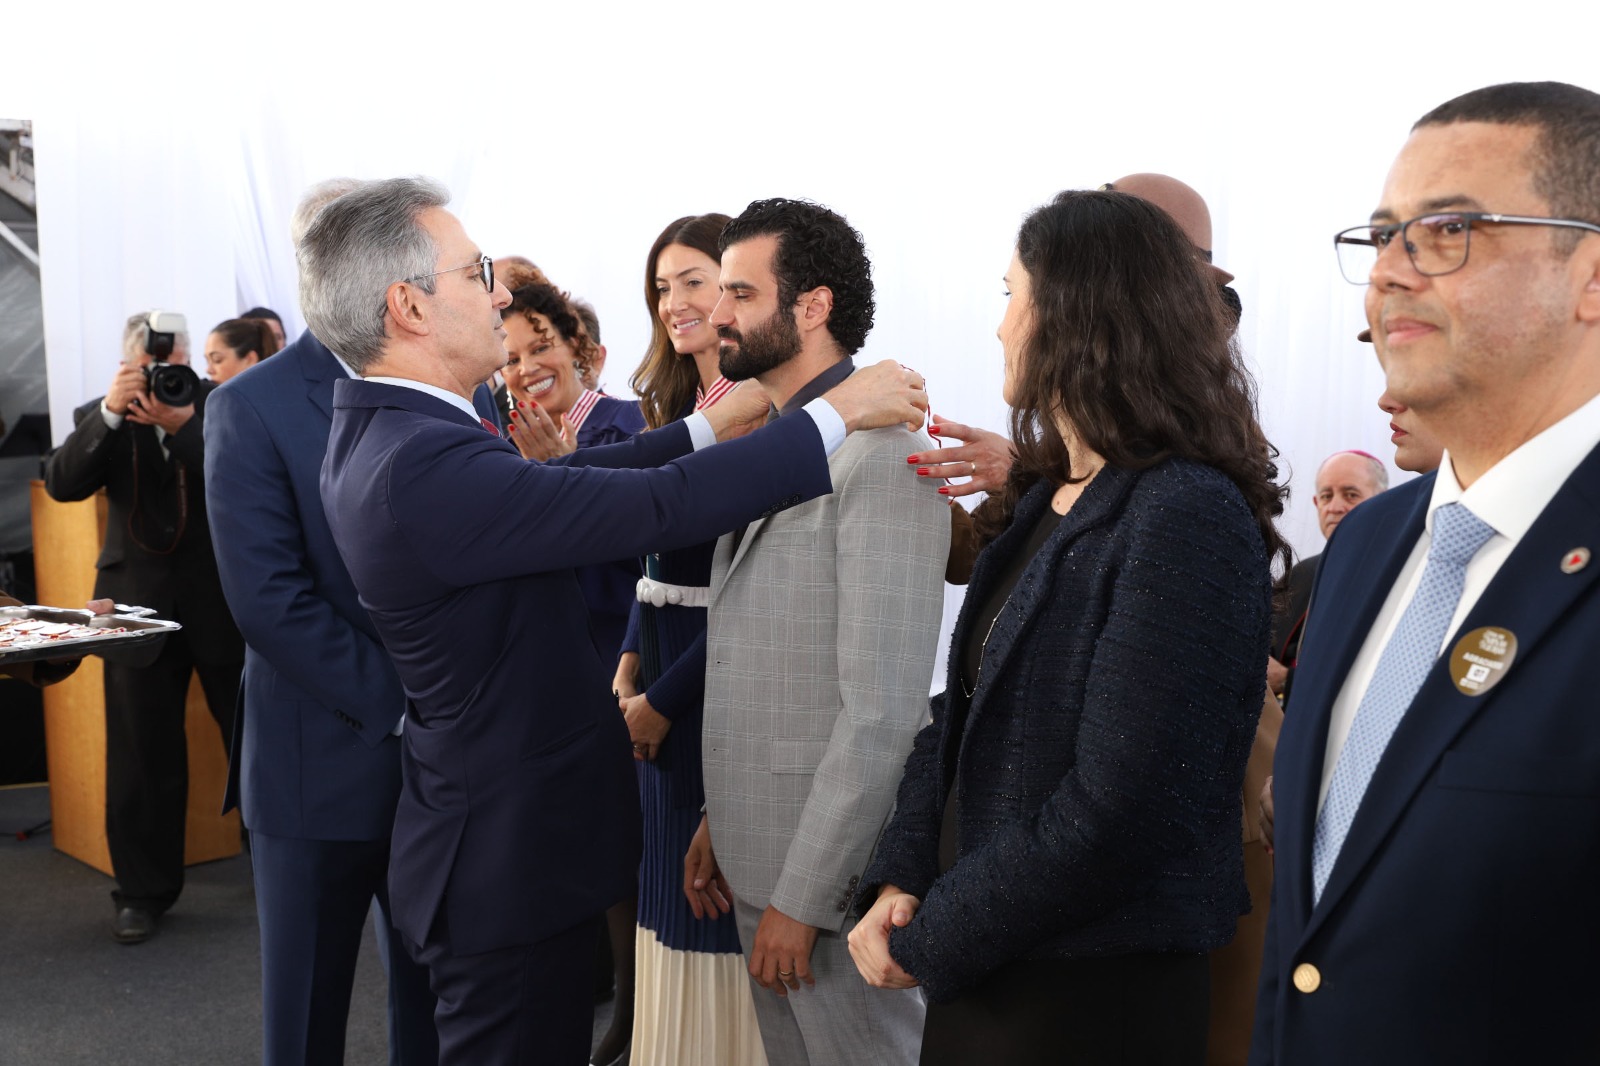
134 925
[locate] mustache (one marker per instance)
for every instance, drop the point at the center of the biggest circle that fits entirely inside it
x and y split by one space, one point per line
728 333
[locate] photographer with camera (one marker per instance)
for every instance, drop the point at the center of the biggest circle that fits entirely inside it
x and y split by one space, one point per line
142 443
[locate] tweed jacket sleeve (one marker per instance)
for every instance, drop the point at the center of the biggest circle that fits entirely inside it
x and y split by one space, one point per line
1136 682
909 855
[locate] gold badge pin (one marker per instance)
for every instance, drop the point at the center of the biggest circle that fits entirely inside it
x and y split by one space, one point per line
1574 560
1481 658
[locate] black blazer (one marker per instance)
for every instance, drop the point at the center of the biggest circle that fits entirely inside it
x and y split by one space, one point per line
1099 772
157 550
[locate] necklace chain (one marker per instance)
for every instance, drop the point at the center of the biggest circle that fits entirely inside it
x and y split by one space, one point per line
982 648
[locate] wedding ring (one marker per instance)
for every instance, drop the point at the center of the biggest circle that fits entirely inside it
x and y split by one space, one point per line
785 973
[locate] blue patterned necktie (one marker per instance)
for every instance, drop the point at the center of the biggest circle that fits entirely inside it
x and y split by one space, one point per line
1405 662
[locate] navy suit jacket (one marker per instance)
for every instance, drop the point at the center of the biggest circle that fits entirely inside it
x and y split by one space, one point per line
313 756
1459 922
520 813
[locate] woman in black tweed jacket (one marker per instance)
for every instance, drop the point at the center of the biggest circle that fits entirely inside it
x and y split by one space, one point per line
1065 848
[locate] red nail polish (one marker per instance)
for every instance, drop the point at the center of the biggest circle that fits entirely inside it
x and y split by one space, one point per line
922 471
913 459
944 490
934 430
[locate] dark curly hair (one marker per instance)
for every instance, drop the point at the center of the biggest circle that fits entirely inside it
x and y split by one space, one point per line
554 305
1132 345
816 247
666 381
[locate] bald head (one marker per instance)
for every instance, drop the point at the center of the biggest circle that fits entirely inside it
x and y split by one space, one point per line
1344 480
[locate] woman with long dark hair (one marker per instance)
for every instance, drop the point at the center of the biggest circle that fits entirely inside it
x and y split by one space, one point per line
1065 847
693 1000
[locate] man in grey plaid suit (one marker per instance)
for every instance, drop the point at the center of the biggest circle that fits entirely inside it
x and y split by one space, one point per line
824 621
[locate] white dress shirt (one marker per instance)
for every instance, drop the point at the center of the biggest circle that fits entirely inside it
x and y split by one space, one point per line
1509 497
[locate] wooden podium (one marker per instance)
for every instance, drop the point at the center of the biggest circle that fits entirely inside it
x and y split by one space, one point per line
66 543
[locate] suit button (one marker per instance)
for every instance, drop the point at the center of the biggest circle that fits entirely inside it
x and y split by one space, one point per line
1307 978
843 906
854 881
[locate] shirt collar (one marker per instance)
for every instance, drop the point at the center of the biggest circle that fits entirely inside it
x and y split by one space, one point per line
465 406
1511 494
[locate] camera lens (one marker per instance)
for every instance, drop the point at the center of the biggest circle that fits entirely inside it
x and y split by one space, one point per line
171 384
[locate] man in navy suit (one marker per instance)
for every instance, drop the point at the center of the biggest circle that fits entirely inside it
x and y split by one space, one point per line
1438 780
315 765
519 817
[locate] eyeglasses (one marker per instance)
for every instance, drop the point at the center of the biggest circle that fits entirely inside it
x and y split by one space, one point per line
485 267
1437 244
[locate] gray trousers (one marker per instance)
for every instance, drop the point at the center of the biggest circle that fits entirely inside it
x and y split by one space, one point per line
841 1021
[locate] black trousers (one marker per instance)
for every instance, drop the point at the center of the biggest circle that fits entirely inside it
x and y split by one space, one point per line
531 1005
1125 1010
147 766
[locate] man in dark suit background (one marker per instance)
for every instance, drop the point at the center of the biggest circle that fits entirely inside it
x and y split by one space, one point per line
1437 779
519 819
316 770
148 456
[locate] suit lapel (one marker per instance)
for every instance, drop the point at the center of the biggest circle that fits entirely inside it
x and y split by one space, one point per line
736 555
1362 572
1528 596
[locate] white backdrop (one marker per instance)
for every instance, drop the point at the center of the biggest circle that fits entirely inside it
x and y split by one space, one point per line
169 154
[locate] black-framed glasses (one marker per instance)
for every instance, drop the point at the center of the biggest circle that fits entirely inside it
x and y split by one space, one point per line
485 267
1437 243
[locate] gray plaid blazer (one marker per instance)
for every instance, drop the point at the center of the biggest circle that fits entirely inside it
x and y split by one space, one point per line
823 627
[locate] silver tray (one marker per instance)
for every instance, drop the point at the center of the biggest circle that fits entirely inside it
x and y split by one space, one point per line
139 631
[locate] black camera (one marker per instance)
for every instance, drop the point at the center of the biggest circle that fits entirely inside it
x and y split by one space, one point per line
171 383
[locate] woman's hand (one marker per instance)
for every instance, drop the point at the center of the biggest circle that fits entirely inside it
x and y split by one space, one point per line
536 434
707 890
647 727
625 685
869 940
984 457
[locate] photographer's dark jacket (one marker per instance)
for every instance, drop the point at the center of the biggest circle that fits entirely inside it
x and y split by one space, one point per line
157 550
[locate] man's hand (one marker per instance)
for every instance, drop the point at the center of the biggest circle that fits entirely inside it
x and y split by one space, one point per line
869 940
985 457
625 685
647 727
703 883
1265 822
781 956
537 436
884 394
739 411
148 411
127 384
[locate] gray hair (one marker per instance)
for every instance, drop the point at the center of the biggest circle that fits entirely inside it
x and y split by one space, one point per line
586 314
133 334
315 199
355 248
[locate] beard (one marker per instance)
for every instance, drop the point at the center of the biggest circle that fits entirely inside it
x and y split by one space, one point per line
765 347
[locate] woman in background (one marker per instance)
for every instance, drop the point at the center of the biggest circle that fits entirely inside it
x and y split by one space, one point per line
237 345
1065 847
694 994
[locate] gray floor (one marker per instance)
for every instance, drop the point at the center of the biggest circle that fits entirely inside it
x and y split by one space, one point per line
191 994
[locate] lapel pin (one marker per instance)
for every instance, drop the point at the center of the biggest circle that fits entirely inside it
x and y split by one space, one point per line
1574 560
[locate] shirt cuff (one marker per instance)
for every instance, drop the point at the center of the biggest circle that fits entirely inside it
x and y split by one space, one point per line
112 420
701 435
829 424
